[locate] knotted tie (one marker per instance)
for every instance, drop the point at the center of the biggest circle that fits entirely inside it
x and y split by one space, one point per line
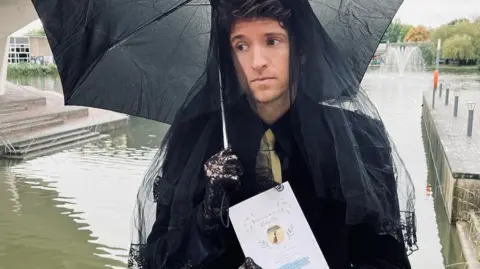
268 157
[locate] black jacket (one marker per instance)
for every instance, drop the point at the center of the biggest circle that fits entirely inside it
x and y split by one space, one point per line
343 246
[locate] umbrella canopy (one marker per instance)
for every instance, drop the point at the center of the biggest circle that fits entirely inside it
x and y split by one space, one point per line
143 57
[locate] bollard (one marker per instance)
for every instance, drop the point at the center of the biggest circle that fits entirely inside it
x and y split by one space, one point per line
471 107
447 93
433 98
455 104
440 90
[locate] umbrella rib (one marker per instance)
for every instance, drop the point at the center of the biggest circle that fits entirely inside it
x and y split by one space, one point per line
97 60
176 47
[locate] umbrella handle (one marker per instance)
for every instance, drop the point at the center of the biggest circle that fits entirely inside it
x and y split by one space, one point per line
222 107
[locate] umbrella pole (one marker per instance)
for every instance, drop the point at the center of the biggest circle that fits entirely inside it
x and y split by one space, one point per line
222 107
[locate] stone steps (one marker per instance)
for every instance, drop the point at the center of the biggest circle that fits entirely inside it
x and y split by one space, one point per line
36 114
35 123
50 144
12 110
48 139
32 125
30 101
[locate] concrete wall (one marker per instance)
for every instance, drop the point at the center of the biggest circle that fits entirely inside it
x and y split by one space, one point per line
460 195
3 63
39 46
443 172
14 15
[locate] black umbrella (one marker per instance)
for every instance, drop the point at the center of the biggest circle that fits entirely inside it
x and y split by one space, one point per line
142 57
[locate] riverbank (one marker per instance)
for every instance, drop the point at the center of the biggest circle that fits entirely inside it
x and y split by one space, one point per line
455 158
27 69
455 69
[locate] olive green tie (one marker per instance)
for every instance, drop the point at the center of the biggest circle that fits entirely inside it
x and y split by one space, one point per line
268 156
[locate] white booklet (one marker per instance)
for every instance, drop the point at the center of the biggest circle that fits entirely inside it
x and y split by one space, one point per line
274 232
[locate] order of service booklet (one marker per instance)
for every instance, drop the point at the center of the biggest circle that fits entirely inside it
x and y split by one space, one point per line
274 232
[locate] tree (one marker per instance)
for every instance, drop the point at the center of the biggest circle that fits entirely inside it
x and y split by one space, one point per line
477 21
417 34
36 32
405 29
451 30
396 32
454 22
460 47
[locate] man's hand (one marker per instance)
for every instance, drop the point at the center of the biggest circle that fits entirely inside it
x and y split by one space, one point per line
224 169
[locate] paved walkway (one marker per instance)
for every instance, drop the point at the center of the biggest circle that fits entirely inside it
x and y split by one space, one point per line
463 152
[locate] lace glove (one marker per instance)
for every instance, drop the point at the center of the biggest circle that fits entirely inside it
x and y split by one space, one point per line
249 264
223 171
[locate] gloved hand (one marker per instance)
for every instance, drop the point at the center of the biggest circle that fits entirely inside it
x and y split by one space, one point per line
223 171
249 264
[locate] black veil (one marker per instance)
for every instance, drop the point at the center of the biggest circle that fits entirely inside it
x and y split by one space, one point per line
373 181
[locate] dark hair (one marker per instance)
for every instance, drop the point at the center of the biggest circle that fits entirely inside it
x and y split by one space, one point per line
227 12
232 10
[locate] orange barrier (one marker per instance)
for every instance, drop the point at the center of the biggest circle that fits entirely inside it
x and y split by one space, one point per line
435 79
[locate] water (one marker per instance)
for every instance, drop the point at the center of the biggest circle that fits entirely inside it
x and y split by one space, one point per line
72 209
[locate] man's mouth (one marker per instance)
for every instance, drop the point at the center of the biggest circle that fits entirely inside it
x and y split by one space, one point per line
262 79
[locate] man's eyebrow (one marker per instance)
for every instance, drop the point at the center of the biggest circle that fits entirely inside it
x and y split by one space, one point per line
235 37
269 34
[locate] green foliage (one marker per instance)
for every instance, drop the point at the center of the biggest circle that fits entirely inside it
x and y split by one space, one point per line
36 32
428 54
460 39
396 32
459 46
26 69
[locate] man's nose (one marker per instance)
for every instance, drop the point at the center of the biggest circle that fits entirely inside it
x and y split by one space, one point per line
259 59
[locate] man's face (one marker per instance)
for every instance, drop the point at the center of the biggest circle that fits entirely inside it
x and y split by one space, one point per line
261 57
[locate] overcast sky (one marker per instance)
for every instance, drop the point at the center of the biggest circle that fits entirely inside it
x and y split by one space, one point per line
430 13
433 13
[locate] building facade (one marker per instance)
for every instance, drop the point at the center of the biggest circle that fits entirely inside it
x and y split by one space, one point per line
19 50
34 49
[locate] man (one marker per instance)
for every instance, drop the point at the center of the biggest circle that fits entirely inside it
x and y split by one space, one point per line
337 161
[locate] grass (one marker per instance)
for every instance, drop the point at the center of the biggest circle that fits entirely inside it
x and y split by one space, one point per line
456 68
27 69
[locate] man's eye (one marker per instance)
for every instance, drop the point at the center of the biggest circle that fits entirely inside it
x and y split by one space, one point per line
272 42
241 47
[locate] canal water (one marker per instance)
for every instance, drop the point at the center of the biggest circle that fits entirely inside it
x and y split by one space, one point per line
72 209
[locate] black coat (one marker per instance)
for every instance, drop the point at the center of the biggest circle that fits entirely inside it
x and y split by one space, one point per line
343 245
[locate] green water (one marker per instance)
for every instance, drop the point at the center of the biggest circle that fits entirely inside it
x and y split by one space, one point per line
72 209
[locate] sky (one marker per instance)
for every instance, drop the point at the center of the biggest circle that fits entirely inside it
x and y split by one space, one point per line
429 13
433 13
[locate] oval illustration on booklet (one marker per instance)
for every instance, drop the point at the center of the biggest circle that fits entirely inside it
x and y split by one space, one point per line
275 235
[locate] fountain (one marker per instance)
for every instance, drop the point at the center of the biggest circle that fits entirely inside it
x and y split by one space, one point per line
401 59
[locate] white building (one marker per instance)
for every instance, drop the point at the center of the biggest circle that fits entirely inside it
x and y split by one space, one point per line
19 50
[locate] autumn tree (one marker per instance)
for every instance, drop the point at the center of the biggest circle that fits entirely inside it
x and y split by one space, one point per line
396 32
417 34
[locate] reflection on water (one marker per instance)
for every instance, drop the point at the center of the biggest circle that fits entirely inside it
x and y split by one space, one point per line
451 248
73 209
40 228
